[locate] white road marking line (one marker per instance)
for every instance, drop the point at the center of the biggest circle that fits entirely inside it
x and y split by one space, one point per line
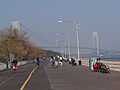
3 82
51 85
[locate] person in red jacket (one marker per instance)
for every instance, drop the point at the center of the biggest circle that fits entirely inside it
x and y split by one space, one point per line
95 67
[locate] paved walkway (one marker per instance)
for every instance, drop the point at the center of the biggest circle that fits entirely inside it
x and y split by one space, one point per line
60 78
81 78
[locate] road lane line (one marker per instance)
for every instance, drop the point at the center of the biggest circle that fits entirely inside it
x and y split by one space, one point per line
3 82
22 70
51 85
28 79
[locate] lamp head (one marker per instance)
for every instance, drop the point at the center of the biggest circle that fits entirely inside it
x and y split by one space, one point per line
57 34
60 21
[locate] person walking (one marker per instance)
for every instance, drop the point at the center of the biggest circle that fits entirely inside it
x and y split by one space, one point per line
61 61
37 62
56 61
73 62
52 61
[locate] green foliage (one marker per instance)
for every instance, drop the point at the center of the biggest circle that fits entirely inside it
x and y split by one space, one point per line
50 53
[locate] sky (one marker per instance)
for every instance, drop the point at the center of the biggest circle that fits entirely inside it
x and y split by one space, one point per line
41 16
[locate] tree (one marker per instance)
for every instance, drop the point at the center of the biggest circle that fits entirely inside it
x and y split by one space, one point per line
13 41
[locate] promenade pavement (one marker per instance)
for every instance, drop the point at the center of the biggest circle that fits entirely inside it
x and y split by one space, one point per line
82 78
66 77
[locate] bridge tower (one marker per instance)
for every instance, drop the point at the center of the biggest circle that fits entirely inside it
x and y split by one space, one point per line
96 42
16 24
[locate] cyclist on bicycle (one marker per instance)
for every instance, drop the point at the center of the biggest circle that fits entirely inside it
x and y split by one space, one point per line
14 64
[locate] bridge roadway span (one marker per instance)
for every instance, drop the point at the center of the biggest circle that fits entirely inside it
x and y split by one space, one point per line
60 78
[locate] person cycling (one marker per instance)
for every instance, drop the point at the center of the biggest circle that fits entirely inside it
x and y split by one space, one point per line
14 64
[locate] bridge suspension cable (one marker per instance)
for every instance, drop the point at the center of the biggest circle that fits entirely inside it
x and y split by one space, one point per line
35 35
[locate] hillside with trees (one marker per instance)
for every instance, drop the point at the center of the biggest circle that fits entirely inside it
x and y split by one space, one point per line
17 43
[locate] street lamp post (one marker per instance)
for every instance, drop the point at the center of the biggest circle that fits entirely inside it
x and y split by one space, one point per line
61 47
77 34
68 43
68 46
57 45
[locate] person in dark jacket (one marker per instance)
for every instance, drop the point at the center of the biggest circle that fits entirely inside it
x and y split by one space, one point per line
14 64
37 61
73 62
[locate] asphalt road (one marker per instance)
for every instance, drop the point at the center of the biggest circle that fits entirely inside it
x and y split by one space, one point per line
10 80
61 78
